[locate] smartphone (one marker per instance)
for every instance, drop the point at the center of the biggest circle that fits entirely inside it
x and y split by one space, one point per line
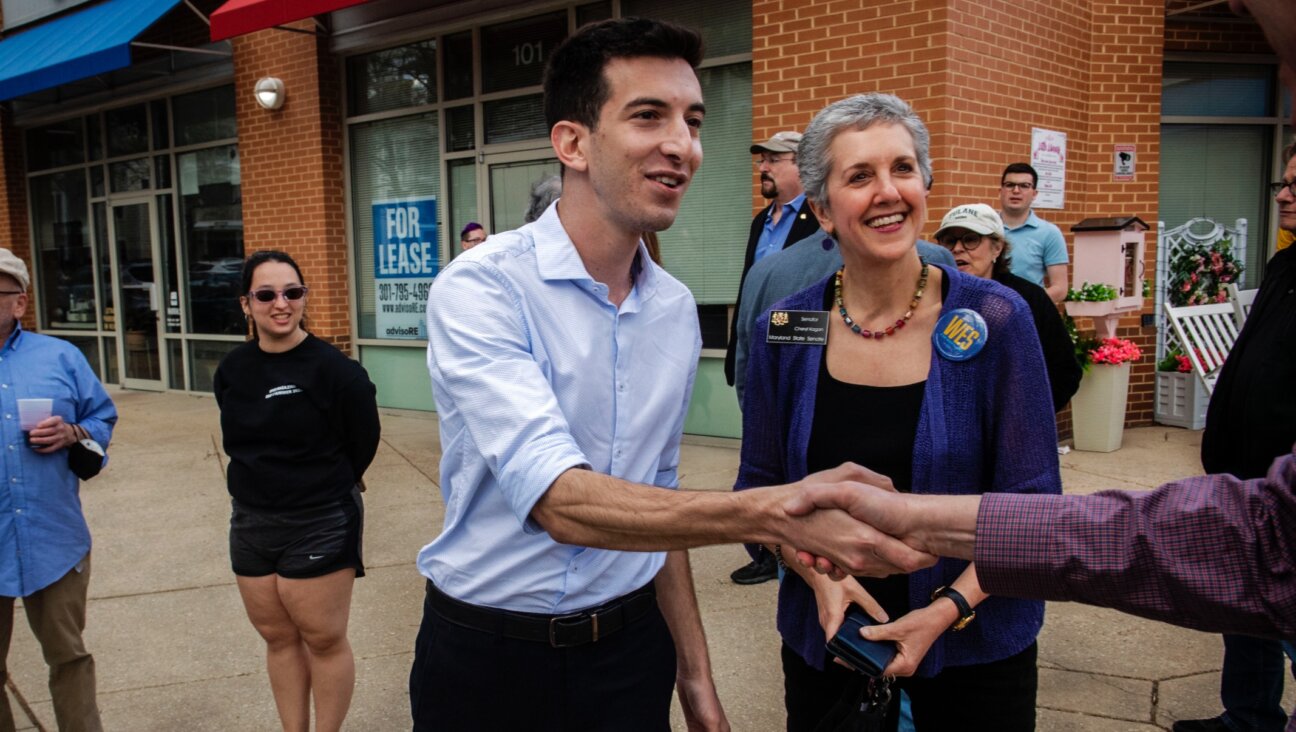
868 657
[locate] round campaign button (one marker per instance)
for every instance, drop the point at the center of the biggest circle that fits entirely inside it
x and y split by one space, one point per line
960 334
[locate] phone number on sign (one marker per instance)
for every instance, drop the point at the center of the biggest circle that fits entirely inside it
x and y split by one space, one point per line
403 291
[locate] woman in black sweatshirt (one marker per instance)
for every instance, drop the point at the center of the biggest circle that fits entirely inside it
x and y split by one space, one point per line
300 426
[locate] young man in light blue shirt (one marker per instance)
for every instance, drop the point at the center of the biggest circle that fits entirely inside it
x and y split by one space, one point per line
1039 252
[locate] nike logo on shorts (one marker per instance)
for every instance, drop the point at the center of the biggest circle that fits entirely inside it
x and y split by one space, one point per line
313 557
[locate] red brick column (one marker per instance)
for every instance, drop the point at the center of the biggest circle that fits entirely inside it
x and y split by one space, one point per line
291 167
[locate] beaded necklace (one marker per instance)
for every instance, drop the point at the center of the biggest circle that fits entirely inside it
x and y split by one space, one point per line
890 329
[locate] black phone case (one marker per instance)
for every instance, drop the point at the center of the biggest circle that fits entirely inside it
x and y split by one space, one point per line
868 657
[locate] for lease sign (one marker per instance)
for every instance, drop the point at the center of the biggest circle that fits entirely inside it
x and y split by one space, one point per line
406 259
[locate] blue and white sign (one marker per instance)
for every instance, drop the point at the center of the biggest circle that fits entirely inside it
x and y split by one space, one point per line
406 260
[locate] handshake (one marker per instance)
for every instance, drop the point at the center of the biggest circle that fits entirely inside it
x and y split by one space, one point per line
851 521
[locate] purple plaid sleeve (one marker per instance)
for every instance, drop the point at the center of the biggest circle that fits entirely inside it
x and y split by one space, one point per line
1212 552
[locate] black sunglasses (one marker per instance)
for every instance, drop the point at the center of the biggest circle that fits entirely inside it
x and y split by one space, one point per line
268 295
970 241
1277 186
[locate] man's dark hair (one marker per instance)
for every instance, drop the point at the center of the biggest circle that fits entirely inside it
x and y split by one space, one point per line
575 88
1020 168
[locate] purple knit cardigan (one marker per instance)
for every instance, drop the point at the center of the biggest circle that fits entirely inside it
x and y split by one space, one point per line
986 424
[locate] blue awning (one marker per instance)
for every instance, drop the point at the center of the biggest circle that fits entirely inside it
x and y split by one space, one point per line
83 43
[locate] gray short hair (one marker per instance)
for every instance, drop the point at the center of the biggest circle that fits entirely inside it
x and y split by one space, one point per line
855 113
543 193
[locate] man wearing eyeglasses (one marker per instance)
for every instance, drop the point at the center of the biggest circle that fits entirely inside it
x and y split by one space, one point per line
44 539
1252 420
1039 251
784 222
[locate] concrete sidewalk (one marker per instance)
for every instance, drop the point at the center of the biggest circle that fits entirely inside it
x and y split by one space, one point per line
175 650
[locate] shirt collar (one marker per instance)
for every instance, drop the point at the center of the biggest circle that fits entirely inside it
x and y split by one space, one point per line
557 258
14 337
795 205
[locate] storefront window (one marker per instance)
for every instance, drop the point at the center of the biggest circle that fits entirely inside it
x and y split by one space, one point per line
460 133
204 357
391 79
514 53
392 160
127 130
458 66
1216 90
61 229
56 145
514 119
205 116
129 175
211 230
463 198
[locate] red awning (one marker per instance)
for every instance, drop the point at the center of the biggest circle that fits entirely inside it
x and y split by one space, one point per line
237 17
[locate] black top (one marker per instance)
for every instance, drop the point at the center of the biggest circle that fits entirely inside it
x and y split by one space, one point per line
300 427
1252 415
873 426
1060 362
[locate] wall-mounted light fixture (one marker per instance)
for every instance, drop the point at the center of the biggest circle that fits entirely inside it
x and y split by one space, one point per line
270 92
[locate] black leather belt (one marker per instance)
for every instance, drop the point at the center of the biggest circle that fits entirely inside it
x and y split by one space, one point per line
559 631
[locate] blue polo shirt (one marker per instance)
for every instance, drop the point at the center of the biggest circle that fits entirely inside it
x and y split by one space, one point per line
1036 245
774 235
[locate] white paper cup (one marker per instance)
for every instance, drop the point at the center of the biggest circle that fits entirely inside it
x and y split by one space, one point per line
32 412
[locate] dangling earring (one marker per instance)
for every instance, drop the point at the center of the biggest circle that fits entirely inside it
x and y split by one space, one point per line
828 242
251 328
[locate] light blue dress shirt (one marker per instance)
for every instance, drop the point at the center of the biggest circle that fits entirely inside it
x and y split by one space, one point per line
774 235
1036 246
535 372
43 533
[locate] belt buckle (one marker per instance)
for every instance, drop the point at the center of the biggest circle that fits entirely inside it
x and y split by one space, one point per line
554 624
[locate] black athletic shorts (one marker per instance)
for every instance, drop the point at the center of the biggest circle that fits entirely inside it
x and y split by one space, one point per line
297 544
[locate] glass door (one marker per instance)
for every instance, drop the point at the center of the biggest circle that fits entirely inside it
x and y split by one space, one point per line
509 178
138 295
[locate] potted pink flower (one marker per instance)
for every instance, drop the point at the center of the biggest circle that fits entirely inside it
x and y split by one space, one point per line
1098 408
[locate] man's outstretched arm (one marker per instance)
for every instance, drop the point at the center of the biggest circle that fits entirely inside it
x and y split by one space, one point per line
1212 552
592 509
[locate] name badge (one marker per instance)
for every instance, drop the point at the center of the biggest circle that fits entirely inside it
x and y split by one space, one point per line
960 334
803 327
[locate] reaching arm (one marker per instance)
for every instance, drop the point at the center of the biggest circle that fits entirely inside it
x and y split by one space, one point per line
1212 553
591 509
678 603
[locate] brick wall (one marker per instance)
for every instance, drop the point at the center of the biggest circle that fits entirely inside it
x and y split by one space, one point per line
982 75
1211 30
291 167
15 234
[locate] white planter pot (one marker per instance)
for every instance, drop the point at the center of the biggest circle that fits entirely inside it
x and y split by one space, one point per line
1098 408
1181 400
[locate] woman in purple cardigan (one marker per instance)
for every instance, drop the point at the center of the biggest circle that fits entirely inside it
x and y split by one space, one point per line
932 377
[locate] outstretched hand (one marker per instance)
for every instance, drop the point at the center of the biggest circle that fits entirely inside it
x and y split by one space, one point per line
868 497
834 525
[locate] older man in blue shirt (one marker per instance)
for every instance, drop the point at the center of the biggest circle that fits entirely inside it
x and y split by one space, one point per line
44 540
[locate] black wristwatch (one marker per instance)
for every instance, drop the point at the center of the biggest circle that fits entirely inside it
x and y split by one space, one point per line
966 613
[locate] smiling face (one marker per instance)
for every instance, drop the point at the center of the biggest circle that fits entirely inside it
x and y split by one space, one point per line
876 201
278 321
646 148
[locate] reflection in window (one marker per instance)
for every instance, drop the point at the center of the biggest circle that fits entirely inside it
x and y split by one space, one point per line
397 77
204 357
129 175
61 240
56 145
205 116
458 65
89 347
460 133
127 130
211 230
